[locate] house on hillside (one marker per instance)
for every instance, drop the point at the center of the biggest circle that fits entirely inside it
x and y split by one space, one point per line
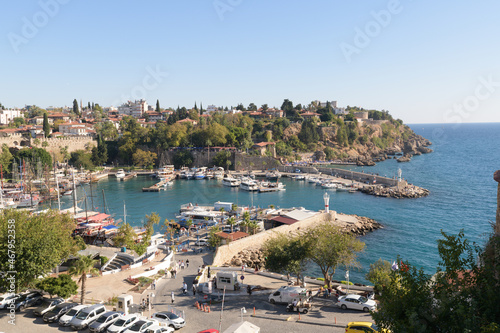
263 147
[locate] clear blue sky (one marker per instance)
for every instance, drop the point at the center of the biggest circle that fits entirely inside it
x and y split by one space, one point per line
418 63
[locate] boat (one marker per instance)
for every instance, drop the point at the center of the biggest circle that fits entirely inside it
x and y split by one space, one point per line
342 188
219 173
201 173
312 180
299 177
271 187
249 184
120 173
183 173
330 186
165 172
231 182
24 200
69 192
200 215
273 175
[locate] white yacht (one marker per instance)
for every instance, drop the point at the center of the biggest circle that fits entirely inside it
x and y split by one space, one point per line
120 173
248 184
231 182
165 172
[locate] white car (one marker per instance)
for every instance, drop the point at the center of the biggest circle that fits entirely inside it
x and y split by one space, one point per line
68 316
356 302
159 329
169 318
201 242
140 326
122 323
6 299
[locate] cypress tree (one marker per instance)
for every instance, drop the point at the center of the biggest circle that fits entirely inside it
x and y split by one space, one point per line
201 109
75 107
46 126
158 106
195 107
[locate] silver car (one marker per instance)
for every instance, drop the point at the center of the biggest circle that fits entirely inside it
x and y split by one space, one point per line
169 318
87 316
104 321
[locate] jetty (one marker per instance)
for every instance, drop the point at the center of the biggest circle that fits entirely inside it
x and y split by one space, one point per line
129 176
156 187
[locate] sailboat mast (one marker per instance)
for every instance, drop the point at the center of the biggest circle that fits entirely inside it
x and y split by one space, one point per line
57 189
104 201
74 194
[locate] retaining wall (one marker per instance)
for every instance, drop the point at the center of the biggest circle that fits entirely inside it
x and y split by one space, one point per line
226 252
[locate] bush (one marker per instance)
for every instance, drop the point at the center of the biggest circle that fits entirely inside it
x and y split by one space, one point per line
104 260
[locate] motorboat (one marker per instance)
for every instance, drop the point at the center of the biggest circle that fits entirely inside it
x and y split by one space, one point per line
120 173
273 175
249 184
231 182
330 186
271 187
165 172
201 173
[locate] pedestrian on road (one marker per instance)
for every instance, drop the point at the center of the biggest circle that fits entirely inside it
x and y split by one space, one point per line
199 269
187 263
194 290
182 265
172 296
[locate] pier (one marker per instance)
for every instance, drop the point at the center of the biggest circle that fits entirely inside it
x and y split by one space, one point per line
156 187
129 176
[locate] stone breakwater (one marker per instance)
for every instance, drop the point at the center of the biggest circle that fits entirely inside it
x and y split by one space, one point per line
409 191
254 257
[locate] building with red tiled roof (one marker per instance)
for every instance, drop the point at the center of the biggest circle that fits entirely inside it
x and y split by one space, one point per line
310 115
187 120
226 238
263 147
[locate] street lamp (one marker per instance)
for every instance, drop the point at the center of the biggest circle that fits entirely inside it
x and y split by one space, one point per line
326 197
243 310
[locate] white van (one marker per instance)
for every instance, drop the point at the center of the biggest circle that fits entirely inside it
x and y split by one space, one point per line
87 316
68 316
287 294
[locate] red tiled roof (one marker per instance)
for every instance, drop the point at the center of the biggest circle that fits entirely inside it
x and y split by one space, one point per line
283 219
263 144
233 236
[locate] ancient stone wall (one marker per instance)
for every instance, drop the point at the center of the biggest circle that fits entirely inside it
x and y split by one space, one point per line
54 145
226 252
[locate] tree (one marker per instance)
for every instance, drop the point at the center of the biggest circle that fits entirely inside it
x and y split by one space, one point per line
42 242
6 158
75 107
183 158
329 153
232 222
46 126
62 286
252 107
35 154
286 253
220 159
380 274
189 223
461 297
83 266
81 159
158 106
144 159
308 132
213 239
331 247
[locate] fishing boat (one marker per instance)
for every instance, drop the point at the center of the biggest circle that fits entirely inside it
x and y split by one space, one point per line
329 186
273 175
201 173
120 173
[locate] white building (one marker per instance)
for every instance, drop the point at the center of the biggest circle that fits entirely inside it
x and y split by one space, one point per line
74 129
6 116
135 109
211 109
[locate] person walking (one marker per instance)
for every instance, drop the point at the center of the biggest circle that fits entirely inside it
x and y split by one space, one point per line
172 296
194 290
187 263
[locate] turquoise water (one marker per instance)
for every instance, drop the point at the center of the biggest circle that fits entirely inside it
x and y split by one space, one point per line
459 175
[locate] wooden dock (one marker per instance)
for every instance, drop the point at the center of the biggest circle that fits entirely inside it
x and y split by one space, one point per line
129 176
156 187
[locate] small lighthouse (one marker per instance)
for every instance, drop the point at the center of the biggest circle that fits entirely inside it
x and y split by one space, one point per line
326 197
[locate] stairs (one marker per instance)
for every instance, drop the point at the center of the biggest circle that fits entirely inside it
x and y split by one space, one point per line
117 262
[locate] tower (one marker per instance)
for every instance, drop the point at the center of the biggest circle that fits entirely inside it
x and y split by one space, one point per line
326 198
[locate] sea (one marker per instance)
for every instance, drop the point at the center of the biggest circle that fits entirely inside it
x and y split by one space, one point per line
459 175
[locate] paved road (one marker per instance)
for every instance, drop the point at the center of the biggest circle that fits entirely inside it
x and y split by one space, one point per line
269 317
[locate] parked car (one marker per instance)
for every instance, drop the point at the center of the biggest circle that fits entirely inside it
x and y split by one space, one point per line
27 300
170 319
363 326
56 313
356 302
47 305
104 321
156 328
201 242
87 316
72 313
122 323
140 326
6 299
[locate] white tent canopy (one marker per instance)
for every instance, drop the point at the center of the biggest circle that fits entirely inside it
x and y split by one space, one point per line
242 327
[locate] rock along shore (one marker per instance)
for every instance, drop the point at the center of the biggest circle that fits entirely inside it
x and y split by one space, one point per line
409 191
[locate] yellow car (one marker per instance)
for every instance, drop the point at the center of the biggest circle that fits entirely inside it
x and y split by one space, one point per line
363 327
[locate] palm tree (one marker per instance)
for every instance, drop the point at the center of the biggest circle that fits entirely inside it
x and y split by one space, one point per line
246 221
83 266
189 223
231 221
